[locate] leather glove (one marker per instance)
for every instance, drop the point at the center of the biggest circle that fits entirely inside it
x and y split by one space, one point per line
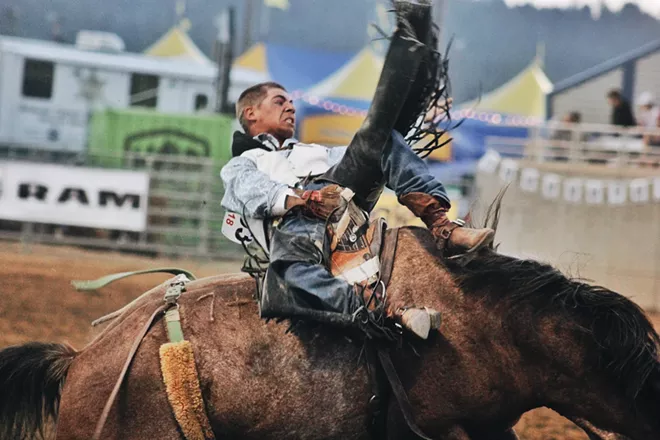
324 203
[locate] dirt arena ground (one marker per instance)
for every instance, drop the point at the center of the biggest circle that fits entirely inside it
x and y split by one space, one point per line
38 303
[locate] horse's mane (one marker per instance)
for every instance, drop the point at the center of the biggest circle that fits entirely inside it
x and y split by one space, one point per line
624 336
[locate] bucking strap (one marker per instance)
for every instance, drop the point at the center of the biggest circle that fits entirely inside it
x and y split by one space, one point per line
400 393
387 256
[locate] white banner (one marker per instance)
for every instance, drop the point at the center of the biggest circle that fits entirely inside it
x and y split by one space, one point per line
489 162
616 192
508 170
551 186
573 190
639 190
656 189
74 196
594 192
529 179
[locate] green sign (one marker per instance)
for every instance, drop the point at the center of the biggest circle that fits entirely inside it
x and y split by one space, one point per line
116 132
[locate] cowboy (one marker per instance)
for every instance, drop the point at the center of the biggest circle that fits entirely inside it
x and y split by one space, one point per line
272 176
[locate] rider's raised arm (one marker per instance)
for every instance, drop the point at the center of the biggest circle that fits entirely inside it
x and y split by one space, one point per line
251 192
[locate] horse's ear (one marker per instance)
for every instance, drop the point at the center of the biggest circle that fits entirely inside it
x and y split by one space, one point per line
468 218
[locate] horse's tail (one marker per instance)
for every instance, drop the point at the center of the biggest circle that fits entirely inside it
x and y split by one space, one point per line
31 379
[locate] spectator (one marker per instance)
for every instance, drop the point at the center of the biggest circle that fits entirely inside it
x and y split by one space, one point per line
654 140
573 118
568 118
648 114
622 114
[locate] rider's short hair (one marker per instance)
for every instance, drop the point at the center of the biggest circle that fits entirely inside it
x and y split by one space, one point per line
253 96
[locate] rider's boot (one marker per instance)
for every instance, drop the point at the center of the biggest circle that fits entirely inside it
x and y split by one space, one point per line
417 320
450 237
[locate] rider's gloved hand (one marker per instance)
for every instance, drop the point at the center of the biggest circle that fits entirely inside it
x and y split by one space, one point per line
323 203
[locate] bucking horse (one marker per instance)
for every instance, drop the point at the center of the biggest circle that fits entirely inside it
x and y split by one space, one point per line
516 335
193 360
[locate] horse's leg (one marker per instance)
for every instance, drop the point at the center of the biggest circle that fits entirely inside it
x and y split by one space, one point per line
592 432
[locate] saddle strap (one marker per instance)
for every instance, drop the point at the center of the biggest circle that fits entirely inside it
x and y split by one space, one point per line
104 281
387 255
400 393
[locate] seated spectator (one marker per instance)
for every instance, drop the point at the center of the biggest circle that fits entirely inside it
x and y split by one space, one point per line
622 114
568 118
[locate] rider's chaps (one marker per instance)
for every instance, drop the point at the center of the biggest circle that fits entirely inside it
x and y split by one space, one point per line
393 107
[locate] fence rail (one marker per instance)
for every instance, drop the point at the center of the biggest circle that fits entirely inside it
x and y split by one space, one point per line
584 143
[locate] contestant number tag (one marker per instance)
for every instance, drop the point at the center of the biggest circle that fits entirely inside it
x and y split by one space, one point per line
236 229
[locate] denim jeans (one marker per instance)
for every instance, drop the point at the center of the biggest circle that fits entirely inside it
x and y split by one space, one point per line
299 249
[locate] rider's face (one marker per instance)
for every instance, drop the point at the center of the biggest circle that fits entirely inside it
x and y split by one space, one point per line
275 115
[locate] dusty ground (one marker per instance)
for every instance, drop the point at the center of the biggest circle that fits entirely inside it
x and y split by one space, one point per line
38 303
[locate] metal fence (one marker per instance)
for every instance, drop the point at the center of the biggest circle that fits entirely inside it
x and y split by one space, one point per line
596 144
184 212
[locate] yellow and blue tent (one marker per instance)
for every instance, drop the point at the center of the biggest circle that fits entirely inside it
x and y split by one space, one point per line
293 67
523 95
333 109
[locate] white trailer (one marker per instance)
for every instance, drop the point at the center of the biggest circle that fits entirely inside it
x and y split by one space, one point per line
48 90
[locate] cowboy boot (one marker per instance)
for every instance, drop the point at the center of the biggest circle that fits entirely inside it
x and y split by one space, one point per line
417 320
450 236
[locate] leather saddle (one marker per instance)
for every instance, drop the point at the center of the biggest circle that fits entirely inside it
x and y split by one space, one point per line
355 255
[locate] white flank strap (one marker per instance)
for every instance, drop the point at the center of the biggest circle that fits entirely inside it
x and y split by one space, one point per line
363 272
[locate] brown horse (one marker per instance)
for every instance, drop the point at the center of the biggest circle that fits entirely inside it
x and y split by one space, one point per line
516 335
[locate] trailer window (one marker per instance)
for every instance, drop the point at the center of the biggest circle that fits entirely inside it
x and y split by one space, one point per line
201 102
144 90
38 79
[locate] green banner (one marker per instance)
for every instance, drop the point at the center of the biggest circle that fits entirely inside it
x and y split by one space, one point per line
115 132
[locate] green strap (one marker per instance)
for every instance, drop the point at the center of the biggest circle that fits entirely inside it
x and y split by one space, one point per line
173 320
104 281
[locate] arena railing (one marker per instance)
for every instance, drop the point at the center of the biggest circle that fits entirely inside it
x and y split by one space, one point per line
596 144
